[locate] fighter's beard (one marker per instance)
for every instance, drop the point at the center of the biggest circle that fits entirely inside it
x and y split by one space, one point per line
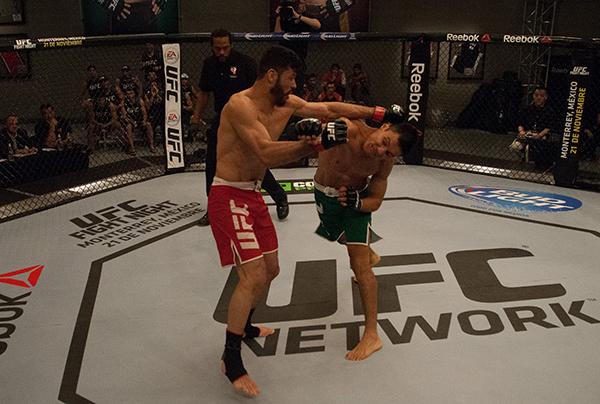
278 95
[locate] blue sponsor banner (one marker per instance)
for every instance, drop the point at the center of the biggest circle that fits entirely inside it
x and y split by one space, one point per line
298 36
517 199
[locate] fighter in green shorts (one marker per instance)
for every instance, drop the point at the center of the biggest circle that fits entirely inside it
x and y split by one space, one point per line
350 183
341 223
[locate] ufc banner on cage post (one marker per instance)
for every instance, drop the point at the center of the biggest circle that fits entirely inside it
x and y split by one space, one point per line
418 92
174 134
567 163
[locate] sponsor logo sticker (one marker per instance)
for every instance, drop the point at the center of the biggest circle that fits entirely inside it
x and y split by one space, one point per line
256 35
25 278
12 299
580 71
450 37
517 199
171 56
173 119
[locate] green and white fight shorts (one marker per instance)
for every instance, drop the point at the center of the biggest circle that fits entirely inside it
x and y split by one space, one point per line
342 224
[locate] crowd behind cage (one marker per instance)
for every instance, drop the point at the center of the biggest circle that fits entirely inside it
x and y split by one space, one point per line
129 110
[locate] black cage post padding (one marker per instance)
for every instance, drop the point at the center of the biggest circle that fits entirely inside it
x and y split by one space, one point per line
417 95
573 124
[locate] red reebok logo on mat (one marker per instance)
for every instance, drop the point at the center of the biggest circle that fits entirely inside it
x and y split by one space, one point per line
25 278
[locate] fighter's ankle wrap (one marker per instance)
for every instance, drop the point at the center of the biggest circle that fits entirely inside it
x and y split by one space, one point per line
250 330
232 357
378 114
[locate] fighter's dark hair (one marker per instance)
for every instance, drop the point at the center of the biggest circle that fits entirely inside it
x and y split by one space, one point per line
220 33
280 59
409 136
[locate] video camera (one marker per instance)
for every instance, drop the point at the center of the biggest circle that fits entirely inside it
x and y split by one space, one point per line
286 12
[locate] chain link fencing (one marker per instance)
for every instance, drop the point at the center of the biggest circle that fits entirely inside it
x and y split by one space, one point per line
475 95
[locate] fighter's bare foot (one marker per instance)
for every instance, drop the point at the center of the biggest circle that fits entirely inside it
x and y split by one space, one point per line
263 331
243 384
367 345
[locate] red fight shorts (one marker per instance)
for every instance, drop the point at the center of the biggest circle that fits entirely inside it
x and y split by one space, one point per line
240 221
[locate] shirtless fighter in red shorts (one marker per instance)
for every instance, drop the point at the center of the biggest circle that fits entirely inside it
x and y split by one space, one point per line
251 122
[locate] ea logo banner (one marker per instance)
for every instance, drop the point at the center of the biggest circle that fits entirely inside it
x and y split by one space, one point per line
172 56
172 119
517 198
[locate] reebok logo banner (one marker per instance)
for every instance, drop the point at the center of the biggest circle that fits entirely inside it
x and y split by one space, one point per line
418 90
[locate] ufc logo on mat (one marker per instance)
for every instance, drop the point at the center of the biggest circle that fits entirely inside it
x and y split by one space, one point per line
243 230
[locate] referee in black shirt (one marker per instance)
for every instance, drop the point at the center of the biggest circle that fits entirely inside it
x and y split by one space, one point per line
225 73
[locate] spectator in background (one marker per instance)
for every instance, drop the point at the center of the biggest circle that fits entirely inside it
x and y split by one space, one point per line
14 139
225 73
109 91
590 140
134 116
154 99
535 124
312 88
93 86
104 119
336 75
92 91
98 109
329 94
152 61
188 100
52 132
127 82
359 85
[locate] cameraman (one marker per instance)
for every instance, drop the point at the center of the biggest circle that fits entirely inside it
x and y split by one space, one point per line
291 17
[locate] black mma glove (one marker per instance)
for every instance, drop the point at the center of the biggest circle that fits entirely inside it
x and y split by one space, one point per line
353 199
308 127
395 114
333 134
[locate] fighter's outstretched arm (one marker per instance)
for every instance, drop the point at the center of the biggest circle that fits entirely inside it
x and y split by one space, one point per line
334 110
329 110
